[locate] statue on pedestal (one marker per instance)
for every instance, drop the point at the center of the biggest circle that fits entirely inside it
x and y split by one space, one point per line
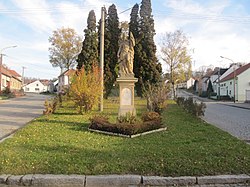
126 55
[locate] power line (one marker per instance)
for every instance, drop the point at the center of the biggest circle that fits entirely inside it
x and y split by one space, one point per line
206 17
128 9
44 10
39 70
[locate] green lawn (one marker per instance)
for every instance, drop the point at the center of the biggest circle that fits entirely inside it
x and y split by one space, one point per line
61 144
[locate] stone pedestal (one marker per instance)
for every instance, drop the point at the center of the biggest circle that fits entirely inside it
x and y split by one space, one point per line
126 90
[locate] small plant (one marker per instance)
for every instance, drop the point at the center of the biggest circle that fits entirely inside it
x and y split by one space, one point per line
50 106
150 116
180 101
6 91
156 95
126 125
128 118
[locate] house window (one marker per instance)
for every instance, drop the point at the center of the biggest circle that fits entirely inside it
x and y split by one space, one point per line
36 89
27 89
231 83
224 84
230 92
37 85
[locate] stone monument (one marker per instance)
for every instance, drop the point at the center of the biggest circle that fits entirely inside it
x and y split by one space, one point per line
126 79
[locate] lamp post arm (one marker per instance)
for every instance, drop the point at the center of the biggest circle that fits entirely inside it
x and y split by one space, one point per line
1 62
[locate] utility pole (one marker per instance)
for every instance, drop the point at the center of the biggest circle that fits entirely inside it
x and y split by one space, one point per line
102 55
23 75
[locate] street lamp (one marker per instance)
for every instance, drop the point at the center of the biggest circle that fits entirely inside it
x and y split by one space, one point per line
1 62
234 72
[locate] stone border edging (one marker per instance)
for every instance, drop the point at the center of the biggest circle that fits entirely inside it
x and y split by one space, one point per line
122 180
128 136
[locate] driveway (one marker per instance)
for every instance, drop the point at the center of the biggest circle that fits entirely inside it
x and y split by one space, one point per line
15 113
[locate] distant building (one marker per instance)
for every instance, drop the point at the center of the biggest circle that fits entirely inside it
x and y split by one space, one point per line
64 79
10 79
187 84
37 86
237 84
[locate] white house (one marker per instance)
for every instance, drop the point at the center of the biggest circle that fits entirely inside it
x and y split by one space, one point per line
218 74
237 84
64 79
187 84
36 87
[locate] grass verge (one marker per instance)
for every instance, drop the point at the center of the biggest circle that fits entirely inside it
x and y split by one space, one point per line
61 144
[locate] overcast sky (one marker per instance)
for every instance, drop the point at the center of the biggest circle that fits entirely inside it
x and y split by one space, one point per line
214 27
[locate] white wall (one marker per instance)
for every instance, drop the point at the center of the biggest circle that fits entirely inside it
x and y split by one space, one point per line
243 85
4 81
227 88
190 83
35 87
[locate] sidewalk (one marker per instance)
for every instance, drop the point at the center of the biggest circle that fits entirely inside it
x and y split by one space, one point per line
229 103
237 104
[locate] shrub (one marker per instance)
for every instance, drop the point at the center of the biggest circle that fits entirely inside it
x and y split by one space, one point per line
192 106
156 95
180 101
102 123
128 118
50 106
149 116
203 94
85 89
6 91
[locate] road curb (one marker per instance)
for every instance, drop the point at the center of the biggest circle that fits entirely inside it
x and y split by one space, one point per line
122 180
236 106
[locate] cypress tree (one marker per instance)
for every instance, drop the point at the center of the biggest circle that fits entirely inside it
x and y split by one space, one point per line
89 54
112 33
149 69
134 28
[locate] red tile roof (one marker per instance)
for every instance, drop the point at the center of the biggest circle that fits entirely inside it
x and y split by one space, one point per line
10 73
237 72
68 72
45 82
5 71
14 73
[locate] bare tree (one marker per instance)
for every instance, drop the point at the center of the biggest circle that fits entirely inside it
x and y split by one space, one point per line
65 46
177 56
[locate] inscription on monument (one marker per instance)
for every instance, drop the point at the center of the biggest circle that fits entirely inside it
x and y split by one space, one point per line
126 98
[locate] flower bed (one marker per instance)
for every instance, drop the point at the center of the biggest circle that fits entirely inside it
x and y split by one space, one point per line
150 121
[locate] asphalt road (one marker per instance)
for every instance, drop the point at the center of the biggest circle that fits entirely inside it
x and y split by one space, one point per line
15 113
231 119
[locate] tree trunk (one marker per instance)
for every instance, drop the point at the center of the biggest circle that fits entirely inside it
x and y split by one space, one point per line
173 89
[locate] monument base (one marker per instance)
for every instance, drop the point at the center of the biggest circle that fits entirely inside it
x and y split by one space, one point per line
126 93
